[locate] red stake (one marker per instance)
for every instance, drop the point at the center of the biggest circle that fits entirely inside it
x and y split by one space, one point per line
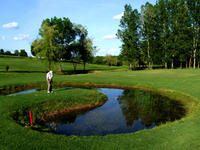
31 118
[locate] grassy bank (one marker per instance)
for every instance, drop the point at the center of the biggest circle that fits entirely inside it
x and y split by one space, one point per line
181 134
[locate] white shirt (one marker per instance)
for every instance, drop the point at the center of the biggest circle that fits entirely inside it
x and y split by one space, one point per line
49 75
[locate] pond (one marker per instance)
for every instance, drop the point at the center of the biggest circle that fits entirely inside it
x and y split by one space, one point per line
125 111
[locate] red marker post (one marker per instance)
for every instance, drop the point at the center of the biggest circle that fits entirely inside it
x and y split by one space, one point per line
31 118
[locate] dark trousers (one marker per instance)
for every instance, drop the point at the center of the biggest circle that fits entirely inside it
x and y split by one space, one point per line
50 86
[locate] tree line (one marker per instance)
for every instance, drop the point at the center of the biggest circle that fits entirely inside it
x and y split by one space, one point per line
61 40
166 34
21 52
108 60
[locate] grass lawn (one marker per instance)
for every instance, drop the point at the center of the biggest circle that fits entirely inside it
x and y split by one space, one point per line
24 64
181 84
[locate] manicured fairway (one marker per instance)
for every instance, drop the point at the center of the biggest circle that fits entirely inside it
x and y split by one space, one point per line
183 85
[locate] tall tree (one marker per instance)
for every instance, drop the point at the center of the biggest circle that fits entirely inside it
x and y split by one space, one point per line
129 35
81 34
65 37
184 41
149 30
75 53
1 52
169 33
87 52
85 43
47 47
163 16
16 52
7 53
193 8
23 53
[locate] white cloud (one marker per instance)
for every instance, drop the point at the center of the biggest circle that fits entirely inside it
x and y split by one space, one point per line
118 17
3 37
22 37
11 25
110 37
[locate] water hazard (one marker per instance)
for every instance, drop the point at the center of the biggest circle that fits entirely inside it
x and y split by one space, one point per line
125 111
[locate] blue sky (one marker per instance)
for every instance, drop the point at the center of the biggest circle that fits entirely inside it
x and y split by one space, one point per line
20 20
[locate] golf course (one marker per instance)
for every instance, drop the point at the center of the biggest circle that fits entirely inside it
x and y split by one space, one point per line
100 75
181 85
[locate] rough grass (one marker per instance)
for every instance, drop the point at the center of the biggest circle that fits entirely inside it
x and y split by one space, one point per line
179 135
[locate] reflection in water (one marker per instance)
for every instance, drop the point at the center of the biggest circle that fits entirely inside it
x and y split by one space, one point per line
125 111
151 108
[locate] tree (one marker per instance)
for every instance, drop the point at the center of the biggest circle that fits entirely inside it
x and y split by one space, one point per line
47 46
168 33
193 7
129 35
111 60
34 50
150 31
87 51
108 59
99 60
16 53
7 53
66 35
81 51
1 52
85 44
61 40
184 42
23 53
75 53
162 15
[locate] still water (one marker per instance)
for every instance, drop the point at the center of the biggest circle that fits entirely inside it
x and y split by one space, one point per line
125 111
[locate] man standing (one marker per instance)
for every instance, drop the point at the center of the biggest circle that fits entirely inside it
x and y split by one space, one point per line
49 78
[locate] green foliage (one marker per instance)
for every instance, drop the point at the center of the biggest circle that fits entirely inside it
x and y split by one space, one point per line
108 60
7 53
46 47
85 47
1 51
99 60
16 52
169 34
22 53
150 31
129 35
62 40
111 60
66 35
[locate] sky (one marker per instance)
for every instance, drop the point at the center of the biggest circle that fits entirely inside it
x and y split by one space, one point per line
20 21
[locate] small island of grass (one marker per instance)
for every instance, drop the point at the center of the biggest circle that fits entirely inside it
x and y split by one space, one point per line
45 106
